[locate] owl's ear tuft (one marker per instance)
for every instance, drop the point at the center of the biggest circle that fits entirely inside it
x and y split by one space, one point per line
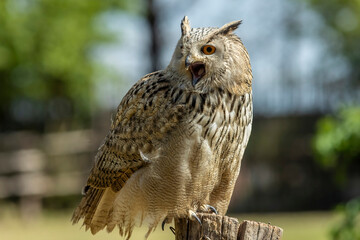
185 26
229 27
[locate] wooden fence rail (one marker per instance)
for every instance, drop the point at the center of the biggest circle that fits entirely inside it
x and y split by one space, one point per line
216 227
50 165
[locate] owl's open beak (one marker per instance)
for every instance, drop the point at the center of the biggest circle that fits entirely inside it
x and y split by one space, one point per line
197 70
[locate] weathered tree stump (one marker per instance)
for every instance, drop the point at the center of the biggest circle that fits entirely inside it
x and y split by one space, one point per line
250 230
216 227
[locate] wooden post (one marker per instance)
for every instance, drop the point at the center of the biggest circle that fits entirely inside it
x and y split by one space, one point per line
216 227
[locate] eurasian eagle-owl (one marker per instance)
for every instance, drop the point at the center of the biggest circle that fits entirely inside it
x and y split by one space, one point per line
177 139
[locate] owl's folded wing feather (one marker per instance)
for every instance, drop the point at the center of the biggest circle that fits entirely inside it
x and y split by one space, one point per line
143 117
113 167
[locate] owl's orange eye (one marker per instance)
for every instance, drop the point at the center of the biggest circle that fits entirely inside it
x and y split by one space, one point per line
208 49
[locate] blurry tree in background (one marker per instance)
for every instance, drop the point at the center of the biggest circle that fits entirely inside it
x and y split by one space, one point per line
337 148
337 143
343 18
337 140
46 62
349 228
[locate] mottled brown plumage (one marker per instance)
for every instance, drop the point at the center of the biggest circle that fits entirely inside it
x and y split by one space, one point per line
176 142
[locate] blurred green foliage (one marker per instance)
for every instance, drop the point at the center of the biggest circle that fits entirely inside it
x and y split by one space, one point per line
337 141
46 59
349 228
337 147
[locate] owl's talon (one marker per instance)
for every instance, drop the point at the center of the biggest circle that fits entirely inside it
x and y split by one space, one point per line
210 208
166 220
193 216
172 229
163 224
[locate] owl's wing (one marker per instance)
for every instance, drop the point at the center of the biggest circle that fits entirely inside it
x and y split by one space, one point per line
143 117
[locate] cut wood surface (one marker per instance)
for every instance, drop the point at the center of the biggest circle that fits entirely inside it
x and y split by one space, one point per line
216 227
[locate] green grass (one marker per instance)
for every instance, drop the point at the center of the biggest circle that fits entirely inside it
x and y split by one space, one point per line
56 226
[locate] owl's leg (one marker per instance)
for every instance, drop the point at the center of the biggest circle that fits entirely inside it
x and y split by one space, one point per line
220 197
208 209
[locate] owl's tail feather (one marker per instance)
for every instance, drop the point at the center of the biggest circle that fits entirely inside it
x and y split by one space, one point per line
95 208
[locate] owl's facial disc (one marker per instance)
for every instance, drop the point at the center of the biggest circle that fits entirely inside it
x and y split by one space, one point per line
197 70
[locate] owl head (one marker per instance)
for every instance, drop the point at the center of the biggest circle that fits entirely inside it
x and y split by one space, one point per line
211 58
